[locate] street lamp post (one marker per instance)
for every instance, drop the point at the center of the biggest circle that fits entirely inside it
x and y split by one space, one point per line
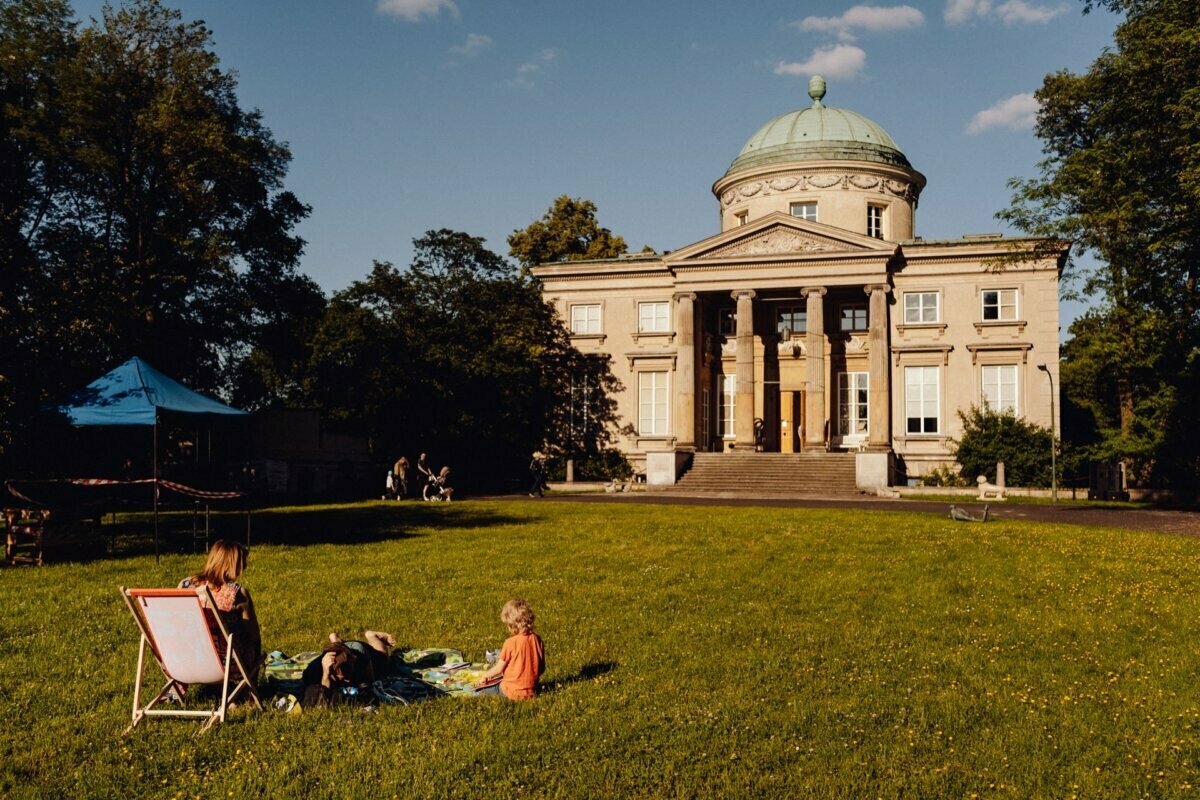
1053 438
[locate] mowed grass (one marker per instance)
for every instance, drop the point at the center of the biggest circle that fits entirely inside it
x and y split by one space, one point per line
692 652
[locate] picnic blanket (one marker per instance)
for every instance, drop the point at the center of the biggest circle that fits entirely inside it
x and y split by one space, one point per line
414 674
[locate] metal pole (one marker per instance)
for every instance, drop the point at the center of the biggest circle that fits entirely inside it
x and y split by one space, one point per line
1053 445
1053 438
154 484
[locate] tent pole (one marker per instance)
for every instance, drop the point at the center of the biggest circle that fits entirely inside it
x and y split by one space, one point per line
154 484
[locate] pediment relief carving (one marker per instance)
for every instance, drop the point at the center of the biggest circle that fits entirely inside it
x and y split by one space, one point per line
774 242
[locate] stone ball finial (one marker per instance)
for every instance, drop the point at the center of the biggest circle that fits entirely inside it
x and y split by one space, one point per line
816 89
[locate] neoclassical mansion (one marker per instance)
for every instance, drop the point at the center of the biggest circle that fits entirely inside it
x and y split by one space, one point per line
815 319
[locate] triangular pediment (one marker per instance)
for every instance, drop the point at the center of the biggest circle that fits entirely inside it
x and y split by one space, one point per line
779 234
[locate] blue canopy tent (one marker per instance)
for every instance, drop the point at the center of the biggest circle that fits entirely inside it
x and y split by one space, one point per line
134 394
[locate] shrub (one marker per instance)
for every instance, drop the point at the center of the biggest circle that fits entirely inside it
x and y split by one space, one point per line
943 476
601 466
990 436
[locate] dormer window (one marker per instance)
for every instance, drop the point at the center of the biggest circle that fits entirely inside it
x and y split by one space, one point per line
742 217
806 211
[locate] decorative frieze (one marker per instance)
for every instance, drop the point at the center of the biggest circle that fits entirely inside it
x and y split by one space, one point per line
774 242
800 182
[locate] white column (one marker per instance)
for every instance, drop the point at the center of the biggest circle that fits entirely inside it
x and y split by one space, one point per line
685 371
743 425
814 356
879 394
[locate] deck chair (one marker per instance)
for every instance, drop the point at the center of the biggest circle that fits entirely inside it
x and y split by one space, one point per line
175 626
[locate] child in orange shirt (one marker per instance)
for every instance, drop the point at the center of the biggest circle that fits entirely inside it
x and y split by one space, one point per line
522 659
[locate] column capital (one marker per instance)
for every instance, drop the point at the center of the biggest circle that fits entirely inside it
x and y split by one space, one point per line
738 294
871 288
684 296
807 290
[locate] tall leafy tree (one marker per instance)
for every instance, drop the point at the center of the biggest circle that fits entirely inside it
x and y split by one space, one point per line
568 231
1121 180
142 209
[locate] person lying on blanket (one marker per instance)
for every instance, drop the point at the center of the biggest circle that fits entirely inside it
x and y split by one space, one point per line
346 665
522 659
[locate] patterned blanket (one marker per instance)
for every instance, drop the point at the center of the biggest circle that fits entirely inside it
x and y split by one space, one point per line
416 674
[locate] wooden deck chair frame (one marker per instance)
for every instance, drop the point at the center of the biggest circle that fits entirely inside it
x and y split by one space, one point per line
226 666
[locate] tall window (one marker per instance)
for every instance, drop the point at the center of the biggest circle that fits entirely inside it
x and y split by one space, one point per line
727 319
654 317
585 319
853 403
921 399
705 417
806 211
742 217
728 396
875 221
854 318
793 318
999 304
920 307
1000 387
652 403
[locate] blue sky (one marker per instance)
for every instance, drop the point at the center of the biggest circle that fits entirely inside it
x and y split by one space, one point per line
407 115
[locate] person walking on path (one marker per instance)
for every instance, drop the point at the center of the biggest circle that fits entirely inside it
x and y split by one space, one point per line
537 475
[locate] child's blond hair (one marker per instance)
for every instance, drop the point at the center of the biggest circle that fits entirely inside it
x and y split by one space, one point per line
518 616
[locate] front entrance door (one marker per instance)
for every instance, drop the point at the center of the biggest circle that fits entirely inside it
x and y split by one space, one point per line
791 423
853 408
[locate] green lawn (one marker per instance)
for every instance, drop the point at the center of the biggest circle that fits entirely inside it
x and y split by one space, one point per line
693 652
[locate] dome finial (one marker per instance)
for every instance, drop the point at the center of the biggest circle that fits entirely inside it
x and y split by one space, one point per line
816 90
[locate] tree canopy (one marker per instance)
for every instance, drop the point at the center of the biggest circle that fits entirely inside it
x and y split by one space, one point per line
457 355
568 231
142 209
1121 180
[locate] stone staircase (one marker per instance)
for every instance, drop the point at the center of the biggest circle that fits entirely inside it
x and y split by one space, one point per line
750 474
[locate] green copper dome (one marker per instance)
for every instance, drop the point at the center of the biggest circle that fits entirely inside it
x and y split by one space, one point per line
818 133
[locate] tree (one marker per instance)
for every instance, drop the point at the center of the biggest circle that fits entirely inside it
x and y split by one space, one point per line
990 436
142 210
1121 180
458 355
568 231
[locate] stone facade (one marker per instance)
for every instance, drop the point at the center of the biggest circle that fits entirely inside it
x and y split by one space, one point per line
843 332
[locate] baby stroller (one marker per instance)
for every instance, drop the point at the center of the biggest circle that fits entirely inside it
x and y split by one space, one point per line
436 489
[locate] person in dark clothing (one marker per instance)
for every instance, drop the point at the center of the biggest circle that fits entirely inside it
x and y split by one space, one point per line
537 475
400 477
351 665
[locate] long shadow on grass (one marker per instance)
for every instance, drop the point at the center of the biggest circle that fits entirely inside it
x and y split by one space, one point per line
302 526
589 672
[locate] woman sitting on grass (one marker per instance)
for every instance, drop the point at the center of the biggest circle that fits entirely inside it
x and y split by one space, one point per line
225 564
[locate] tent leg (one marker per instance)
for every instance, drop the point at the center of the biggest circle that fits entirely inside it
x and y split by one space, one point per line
154 485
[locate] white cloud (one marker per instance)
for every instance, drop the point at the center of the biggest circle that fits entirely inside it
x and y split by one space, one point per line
1010 12
471 47
525 73
1018 112
872 19
1014 11
413 10
836 61
959 11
